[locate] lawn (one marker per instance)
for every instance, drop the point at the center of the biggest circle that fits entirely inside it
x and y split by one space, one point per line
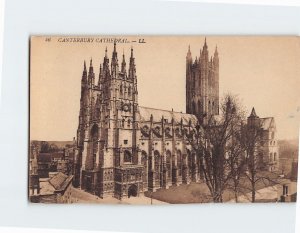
199 192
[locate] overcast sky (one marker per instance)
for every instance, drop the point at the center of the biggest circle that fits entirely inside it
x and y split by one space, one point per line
263 71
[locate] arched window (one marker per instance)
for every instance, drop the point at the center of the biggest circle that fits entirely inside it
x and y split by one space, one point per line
193 107
150 163
168 163
179 162
145 164
127 157
190 161
270 157
157 167
121 89
129 91
128 123
275 156
199 107
94 135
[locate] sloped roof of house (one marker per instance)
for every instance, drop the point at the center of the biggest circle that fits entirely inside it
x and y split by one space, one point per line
58 182
145 115
267 123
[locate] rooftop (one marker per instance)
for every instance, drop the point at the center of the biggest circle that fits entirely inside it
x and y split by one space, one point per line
58 182
145 114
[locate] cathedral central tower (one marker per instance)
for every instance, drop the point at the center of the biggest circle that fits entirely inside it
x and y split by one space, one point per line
202 84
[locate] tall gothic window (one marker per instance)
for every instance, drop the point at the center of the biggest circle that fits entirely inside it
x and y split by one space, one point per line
94 135
190 161
168 163
193 107
145 163
157 166
127 157
121 89
199 107
129 91
179 162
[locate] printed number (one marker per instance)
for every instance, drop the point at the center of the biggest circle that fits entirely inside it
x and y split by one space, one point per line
48 39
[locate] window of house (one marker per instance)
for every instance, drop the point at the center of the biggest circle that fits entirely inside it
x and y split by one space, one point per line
125 142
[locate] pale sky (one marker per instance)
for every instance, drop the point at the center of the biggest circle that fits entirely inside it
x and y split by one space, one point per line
263 71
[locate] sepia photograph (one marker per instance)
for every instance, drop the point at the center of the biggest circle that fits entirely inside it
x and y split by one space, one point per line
156 120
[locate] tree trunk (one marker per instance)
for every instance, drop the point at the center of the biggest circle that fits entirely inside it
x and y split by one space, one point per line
253 192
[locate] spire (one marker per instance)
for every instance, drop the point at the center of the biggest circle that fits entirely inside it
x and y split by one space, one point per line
131 70
106 51
84 73
216 51
131 56
123 68
84 66
91 69
205 51
189 55
114 54
114 62
253 113
216 58
100 75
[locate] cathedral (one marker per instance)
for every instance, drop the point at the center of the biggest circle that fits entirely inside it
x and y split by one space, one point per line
124 149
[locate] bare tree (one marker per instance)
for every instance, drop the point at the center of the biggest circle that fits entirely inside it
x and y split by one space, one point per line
256 173
216 148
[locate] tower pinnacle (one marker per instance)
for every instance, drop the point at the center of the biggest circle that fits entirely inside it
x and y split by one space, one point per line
131 52
84 66
253 113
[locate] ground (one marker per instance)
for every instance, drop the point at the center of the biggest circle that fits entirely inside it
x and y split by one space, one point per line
80 196
183 194
199 192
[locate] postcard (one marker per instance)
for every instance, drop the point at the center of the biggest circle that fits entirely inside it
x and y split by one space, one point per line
163 119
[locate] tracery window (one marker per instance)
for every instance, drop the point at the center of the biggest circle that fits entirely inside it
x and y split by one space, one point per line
127 157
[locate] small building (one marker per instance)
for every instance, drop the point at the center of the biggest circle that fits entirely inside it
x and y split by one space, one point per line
294 171
288 191
55 189
268 156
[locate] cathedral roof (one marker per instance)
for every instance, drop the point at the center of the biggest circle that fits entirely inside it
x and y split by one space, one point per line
145 115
